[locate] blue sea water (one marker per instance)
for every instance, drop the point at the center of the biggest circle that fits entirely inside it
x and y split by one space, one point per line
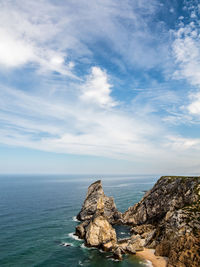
37 219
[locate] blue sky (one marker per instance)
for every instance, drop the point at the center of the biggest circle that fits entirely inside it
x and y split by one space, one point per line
100 86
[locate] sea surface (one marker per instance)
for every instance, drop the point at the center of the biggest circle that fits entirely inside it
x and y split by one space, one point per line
37 219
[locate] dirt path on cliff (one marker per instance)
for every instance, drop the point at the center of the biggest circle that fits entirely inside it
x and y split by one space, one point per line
148 254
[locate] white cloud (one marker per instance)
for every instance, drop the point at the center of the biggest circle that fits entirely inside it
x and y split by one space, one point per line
97 89
44 31
186 49
27 30
194 106
87 128
81 116
14 52
182 144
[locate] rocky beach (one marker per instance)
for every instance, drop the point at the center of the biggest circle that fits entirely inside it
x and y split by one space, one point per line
166 220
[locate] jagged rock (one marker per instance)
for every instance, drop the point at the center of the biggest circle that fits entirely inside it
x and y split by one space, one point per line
95 192
143 230
173 207
132 244
168 194
81 229
136 243
152 245
179 239
117 253
108 246
100 231
149 237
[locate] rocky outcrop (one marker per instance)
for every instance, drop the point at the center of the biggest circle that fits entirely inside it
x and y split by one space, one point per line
168 194
98 213
178 238
172 209
97 231
100 232
132 244
166 219
95 192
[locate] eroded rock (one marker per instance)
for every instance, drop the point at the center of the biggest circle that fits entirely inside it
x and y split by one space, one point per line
81 229
168 194
100 231
95 192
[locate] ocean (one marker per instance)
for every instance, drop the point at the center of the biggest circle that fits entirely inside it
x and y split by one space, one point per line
38 219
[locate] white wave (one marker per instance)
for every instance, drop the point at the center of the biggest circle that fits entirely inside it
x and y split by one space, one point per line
75 219
80 263
85 247
112 259
102 251
65 244
75 237
149 263
122 233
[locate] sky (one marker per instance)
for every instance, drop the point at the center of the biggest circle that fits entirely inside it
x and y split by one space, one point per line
100 86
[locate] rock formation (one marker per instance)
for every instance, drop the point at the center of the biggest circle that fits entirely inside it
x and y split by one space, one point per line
166 219
95 191
169 218
99 231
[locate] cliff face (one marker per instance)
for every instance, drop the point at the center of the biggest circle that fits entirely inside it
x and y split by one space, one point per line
166 219
167 195
172 207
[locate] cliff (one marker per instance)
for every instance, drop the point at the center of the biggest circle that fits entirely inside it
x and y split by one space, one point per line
172 208
167 219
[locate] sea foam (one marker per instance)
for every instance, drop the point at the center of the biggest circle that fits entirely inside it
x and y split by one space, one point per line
75 219
149 263
65 244
73 236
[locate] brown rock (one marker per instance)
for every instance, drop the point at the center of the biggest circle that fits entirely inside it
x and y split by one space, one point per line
167 219
95 192
80 229
117 253
99 232
168 194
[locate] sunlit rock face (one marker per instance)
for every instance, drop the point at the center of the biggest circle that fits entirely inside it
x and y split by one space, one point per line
168 217
168 194
100 232
95 192
97 231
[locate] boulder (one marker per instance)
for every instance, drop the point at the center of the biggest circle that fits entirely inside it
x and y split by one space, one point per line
99 232
117 253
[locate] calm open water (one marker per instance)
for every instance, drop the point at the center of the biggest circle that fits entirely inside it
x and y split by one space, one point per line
37 217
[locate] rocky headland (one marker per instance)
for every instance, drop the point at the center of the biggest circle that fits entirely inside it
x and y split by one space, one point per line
167 219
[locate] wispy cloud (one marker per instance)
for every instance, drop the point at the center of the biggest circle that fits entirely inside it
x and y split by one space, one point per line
50 35
75 51
186 49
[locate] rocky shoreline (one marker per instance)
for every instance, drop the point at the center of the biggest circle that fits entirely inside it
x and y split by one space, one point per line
167 219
